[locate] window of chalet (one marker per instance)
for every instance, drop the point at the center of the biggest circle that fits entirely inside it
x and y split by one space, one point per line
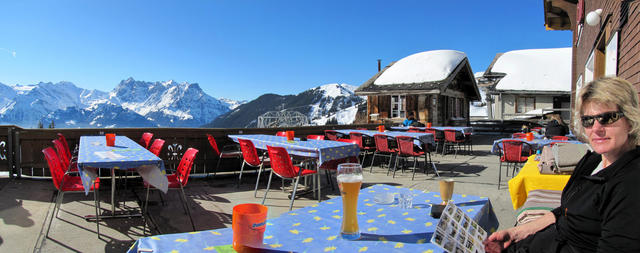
525 104
611 56
398 106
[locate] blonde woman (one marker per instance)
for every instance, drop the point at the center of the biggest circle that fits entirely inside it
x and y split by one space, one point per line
600 203
556 127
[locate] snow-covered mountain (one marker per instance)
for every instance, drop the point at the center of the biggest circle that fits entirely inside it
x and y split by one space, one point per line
131 104
163 104
335 103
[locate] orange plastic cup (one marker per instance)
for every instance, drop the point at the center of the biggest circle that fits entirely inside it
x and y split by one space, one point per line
290 135
111 139
381 128
248 223
428 124
529 136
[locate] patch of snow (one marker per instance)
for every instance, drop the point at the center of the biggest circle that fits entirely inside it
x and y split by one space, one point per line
478 111
429 66
535 69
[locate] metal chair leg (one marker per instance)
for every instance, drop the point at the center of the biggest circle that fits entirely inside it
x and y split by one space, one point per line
499 174
293 194
186 205
97 200
54 213
241 170
268 185
145 211
255 191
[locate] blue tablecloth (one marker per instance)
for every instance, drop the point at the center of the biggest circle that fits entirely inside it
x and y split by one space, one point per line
424 138
464 130
536 143
384 228
94 153
324 150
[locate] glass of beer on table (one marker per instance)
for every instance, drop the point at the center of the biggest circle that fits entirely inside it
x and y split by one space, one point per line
349 181
446 190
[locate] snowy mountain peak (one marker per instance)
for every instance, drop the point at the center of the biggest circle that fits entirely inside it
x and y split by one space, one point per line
334 90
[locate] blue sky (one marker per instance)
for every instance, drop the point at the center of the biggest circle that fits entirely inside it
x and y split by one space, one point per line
242 49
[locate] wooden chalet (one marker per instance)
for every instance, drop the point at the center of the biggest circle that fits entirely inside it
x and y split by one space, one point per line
436 86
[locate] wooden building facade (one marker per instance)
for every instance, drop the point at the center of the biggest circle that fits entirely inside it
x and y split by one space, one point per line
441 102
605 38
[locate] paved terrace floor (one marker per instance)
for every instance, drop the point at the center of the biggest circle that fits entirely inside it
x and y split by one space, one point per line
25 204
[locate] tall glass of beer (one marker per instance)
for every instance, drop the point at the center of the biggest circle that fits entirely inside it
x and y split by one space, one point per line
349 182
446 190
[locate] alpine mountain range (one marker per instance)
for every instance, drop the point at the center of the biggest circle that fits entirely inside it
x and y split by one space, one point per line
134 103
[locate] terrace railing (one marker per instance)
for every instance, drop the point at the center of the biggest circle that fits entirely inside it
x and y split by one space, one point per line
20 148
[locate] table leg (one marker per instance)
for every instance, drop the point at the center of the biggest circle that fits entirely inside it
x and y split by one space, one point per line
113 191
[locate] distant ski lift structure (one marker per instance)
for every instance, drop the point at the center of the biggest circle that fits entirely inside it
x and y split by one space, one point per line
274 119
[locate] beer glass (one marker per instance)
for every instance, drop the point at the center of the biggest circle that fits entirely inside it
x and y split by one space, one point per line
349 181
446 190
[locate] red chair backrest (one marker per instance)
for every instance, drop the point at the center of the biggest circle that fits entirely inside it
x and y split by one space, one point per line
281 133
437 135
519 135
315 137
405 145
512 150
357 137
156 146
55 167
560 138
450 135
214 145
352 141
382 143
249 152
146 139
281 163
184 168
64 142
331 135
65 158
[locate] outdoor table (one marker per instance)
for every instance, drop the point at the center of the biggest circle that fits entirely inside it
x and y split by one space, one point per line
536 144
322 150
94 154
316 228
529 178
464 130
425 138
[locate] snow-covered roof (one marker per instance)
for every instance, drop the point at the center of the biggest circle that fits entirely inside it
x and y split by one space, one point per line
535 70
429 66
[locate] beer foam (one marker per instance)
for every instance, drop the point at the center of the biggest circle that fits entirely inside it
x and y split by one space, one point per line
347 178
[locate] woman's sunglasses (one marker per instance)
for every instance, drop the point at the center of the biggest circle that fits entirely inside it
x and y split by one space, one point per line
603 118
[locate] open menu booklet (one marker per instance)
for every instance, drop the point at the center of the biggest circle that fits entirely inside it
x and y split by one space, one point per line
457 232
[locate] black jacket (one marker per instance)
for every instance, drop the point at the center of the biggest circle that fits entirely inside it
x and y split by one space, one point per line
602 212
555 129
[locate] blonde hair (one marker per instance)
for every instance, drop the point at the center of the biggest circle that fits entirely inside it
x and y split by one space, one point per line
613 91
557 118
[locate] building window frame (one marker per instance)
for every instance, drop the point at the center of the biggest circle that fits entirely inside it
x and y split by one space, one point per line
526 100
398 106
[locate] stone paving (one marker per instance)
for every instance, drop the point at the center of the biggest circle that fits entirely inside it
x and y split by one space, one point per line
26 204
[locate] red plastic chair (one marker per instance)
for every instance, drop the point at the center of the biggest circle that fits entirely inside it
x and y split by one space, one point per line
519 135
66 183
513 153
66 145
281 133
226 153
332 165
382 149
560 138
282 166
251 158
145 140
177 181
453 138
65 158
406 149
331 135
156 146
315 137
364 150
438 137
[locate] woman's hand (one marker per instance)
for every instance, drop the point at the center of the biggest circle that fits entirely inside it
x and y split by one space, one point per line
498 241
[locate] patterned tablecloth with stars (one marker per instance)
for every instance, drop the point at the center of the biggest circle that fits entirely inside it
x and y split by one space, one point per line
384 228
464 130
425 138
536 144
324 150
94 153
